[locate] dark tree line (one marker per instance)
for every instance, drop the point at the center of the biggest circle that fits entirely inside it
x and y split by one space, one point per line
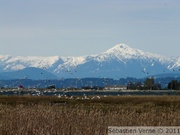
95 83
149 84
174 85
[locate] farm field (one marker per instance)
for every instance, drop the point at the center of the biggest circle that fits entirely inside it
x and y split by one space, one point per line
42 115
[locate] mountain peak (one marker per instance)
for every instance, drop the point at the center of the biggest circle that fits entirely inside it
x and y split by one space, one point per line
124 50
118 48
124 46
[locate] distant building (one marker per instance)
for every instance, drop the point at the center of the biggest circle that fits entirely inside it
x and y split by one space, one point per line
116 87
20 87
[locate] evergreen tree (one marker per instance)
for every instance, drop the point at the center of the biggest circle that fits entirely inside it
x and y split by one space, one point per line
149 84
174 85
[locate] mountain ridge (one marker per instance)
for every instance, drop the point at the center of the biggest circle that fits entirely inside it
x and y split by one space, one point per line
118 61
28 73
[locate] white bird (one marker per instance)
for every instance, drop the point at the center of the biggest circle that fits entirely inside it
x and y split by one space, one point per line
59 96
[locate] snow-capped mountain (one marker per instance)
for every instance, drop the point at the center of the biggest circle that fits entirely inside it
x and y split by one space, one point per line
118 62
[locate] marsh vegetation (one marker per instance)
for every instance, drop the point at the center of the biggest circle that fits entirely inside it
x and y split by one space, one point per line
57 116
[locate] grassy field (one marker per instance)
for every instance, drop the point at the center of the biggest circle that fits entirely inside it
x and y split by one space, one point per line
60 116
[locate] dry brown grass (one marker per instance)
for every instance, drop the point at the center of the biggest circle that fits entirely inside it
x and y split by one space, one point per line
53 116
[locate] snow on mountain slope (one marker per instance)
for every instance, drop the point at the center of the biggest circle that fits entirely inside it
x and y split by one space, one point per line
119 61
178 62
176 65
74 61
10 63
123 52
70 63
4 57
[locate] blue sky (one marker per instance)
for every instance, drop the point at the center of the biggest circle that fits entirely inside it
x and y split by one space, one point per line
84 27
